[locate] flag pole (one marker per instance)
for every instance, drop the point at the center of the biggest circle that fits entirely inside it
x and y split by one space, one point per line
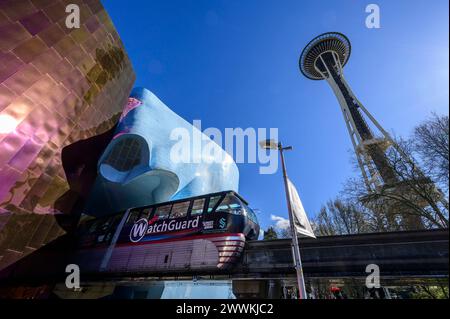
294 244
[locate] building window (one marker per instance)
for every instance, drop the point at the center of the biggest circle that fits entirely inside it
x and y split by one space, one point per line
125 155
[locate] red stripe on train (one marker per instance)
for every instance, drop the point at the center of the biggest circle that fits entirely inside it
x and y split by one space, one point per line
204 236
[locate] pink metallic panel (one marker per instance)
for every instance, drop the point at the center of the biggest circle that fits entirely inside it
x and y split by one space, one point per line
10 65
12 33
57 87
23 79
15 9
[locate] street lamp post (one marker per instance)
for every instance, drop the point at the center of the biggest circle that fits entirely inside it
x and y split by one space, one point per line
271 144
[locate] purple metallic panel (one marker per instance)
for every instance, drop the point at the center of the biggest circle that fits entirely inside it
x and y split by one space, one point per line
26 155
35 22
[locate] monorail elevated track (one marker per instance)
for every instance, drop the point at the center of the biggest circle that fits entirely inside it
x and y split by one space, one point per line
397 254
408 255
412 254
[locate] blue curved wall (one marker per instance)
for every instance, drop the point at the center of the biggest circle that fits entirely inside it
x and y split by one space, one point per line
136 168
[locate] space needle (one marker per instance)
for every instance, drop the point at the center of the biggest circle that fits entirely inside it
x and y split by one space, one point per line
323 58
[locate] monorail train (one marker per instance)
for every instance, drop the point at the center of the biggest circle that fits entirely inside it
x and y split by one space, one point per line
200 233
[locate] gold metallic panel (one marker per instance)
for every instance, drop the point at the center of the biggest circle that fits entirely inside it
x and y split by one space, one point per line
30 49
80 35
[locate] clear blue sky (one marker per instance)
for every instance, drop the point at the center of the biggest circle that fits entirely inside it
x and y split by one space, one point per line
235 64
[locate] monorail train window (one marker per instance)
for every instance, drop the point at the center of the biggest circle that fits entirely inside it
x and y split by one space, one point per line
212 202
114 223
251 214
93 226
132 218
163 211
230 204
179 210
146 212
197 207
106 223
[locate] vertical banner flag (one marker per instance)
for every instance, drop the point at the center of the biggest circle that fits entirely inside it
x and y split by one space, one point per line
301 222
